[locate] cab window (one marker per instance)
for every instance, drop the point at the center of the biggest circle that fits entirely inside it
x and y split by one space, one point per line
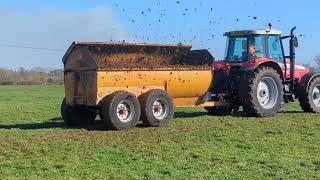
257 47
237 49
275 49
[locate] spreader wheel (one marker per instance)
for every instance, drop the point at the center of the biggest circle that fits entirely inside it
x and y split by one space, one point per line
77 116
120 111
157 108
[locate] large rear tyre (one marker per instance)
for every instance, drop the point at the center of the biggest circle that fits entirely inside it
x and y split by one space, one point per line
219 111
262 93
310 97
77 116
157 108
120 111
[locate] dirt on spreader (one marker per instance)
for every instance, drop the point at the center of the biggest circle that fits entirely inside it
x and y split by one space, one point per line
133 61
128 56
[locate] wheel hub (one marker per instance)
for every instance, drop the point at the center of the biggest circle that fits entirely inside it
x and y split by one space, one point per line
263 93
267 93
160 109
125 111
316 95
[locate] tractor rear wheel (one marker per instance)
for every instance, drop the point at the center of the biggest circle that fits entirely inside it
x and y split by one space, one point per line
310 97
262 93
77 116
219 111
120 111
157 108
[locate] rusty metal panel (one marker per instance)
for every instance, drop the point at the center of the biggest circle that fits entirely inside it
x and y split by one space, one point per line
81 88
80 60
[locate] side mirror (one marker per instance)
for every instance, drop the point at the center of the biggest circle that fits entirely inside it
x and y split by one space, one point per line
295 42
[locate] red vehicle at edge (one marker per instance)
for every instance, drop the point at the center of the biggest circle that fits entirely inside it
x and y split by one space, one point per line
257 75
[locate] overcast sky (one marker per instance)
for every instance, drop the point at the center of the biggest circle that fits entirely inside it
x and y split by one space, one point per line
56 24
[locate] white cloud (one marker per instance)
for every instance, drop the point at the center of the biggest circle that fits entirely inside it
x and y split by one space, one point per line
53 28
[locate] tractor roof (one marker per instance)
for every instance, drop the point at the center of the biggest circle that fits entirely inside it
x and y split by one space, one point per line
254 32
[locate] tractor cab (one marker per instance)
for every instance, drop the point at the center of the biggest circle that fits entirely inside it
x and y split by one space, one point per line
247 45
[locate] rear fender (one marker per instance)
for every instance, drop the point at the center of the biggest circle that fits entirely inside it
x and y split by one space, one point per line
266 63
305 81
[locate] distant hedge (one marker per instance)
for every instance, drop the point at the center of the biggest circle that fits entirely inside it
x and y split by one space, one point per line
35 76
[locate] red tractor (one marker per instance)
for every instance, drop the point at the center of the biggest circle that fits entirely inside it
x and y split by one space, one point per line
257 75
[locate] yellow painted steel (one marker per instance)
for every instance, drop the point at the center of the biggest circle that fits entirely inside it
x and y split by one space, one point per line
186 87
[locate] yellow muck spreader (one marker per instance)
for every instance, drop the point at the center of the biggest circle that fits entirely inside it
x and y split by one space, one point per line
125 83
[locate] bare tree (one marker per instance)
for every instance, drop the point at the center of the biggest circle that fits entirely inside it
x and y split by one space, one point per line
317 60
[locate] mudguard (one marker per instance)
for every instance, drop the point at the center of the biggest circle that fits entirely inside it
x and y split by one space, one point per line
307 78
305 81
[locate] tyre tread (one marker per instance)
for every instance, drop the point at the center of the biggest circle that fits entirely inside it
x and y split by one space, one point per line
247 94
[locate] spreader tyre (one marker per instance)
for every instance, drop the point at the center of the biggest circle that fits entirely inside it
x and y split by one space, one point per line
310 97
262 93
120 111
77 116
157 108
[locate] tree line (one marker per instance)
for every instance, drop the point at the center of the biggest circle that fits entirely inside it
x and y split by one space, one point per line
34 76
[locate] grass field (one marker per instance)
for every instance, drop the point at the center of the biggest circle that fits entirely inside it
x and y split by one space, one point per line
34 143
